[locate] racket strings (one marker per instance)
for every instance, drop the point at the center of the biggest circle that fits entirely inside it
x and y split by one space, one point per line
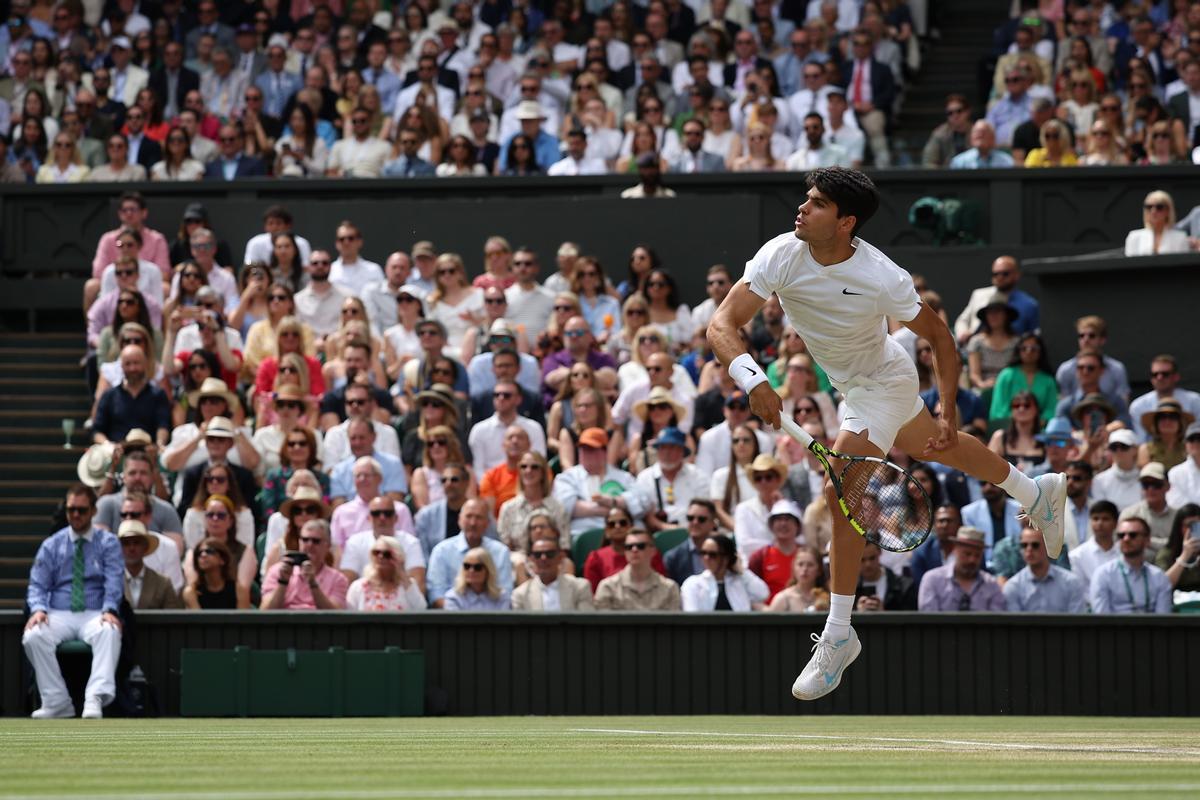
890 505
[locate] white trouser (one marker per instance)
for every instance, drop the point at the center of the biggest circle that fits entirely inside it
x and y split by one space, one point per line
42 641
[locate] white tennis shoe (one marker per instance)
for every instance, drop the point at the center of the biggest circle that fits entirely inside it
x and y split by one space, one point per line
823 673
1048 512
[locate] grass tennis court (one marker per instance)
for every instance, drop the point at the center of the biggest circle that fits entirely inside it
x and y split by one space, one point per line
626 757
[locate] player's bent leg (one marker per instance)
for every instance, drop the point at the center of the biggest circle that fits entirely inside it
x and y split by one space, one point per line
837 646
1044 499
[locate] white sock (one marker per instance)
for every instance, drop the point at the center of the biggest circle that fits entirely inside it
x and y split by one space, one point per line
1020 487
837 624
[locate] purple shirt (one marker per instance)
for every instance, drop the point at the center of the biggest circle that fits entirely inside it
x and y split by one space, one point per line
596 359
941 592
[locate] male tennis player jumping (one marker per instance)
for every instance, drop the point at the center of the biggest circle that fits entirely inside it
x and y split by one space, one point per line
836 290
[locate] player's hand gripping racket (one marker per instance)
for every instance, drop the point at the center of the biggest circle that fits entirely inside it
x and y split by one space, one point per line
882 500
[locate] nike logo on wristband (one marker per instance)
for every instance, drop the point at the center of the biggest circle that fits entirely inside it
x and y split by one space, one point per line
751 371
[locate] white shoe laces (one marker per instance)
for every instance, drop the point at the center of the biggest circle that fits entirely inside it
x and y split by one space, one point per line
822 653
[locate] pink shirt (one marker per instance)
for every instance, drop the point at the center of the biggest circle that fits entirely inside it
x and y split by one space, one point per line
298 595
154 248
104 310
355 515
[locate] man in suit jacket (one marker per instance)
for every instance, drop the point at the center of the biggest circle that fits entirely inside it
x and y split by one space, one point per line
746 61
683 561
127 79
691 158
233 163
994 505
208 22
142 149
144 588
172 81
1179 107
871 90
547 590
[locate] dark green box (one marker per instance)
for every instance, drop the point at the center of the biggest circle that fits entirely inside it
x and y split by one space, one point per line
302 683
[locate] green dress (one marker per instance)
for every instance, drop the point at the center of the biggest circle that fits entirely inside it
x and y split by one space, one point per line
1011 381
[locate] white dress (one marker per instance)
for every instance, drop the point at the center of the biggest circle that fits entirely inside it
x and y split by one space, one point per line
448 315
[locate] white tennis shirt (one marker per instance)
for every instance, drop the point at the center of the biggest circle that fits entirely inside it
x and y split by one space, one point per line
838 309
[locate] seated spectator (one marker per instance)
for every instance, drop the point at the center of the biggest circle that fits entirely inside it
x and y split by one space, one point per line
1042 586
1098 548
232 162
139 473
1153 509
532 497
661 381
477 587
983 153
386 584
1180 558
638 587
134 403
724 585
649 170
360 405
692 157
441 449
164 558
177 162
589 490
1157 234
1028 371
579 346
576 161
806 590
384 523
881 589
306 580
304 502
214 585
75 591
144 588
949 138
683 560
1018 443
610 558
361 436
773 562
1184 478
276 440
983 514
1130 585
447 557
751 517
992 348
353 515
503 363
663 491
215 406
406 163
218 441
65 164
1165 427
939 548
219 520
1103 148
1055 150
962 585
1092 332
732 484
488 437
715 447
1013 108
815 149
319 304
549 589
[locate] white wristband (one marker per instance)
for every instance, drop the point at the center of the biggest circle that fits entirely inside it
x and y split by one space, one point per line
746 372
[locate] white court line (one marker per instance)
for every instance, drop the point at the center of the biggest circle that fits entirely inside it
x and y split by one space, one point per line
709 790
1068 748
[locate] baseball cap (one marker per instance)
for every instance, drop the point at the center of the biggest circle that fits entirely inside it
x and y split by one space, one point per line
1123 436
593 437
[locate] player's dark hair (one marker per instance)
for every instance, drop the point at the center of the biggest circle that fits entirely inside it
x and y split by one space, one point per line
1103 507
851 191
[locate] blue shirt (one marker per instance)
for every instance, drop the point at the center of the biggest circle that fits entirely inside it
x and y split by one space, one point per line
446 560
476 601
971 159
1028 316
119 412
545 150
341 480
54 567
1059 592
926 557
1007 114
594 311
1117 589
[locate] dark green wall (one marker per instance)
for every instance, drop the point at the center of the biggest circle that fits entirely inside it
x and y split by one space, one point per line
513 664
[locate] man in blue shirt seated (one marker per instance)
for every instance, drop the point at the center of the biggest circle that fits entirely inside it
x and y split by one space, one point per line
1042 586
1128 585
447 557
75 591
983 153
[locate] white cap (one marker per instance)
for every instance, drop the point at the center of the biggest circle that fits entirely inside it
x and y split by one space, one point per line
1122 436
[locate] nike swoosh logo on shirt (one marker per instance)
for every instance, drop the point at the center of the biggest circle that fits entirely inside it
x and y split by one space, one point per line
847 291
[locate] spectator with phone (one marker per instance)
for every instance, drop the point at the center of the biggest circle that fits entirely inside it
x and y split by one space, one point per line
1180 558
880 589
305 578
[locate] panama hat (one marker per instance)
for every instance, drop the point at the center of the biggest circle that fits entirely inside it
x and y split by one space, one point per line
135 529
305 494
214 387
765 462
95 463
1168 405
658 396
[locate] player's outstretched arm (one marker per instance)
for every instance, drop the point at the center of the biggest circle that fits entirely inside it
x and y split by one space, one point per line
724 336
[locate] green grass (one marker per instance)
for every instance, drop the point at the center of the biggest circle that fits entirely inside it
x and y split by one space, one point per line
625 757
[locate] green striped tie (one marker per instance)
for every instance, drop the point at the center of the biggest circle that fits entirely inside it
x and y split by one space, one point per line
77 601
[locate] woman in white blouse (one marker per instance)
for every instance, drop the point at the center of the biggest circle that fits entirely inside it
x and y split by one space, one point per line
1157 234
65 163
724 585
177 163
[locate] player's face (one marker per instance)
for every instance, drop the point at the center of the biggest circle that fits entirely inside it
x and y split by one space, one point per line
817 220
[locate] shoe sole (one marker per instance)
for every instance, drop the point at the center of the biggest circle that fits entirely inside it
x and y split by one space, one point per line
799 696
1059 501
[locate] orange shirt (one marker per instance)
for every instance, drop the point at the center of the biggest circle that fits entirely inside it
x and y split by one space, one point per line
499 482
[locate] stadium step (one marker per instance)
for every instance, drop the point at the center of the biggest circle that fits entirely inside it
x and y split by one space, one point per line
41 384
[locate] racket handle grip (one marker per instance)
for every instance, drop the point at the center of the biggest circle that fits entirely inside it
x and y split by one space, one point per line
795 431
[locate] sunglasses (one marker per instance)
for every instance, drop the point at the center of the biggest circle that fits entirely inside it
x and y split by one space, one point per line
294 443
575 334
765 477
382 513
78 509
386 555
564 308
1155 206
305 509
216 515
207 551
698 518
710 553
292 370
1021 405
356 403
476 567
1155 485
542 554
617 523
127 301
1127 534
280 297
636 545
131 515
452 479
215 478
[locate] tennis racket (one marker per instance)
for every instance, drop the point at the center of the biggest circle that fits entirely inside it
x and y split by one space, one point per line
882 500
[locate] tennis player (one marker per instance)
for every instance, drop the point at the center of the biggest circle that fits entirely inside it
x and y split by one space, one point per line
837 290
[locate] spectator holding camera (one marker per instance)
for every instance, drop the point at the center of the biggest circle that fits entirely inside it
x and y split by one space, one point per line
880 589
306 579
1180 558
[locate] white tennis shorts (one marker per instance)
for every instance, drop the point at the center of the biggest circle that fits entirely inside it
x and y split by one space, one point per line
883 401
